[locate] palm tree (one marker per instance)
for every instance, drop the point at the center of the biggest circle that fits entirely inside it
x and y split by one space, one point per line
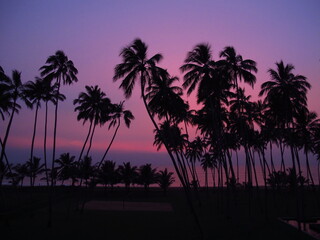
118 113
66 166
165 179
108 174
137 66
128 174
147 175
164 99
6 100
22 171
34 169
93 106
239 69
60 68
16 91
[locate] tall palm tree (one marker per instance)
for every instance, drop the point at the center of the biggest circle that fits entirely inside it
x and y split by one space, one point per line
93 106
136 66
17 92
59 68
117 114
6 100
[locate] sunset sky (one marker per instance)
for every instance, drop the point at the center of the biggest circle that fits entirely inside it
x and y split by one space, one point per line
92 33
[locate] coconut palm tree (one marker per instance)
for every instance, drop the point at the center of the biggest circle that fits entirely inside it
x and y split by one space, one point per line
6 100
66 165
34 169
92 106
16 90
146 175
165 179
117 114
128 174
164 99
108 174
239 69
59 68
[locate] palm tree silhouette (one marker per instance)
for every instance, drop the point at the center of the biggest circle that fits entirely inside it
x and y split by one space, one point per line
128 174
16 90
164 99
147 175
34 169
108 174
59 68
66 166
165 179
6 101
117 114
93 106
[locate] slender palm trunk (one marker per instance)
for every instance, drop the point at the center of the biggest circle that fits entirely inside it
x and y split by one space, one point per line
85 142
308 167
90 142
55 133
33 138
4 143
45 143
106 152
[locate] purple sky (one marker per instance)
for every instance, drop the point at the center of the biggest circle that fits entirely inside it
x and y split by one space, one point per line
92 33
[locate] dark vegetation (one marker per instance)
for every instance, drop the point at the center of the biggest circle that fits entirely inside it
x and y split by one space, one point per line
228 121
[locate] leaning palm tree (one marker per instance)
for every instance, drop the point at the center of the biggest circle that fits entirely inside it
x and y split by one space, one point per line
136 66
6 100
117 114
92 106
16 90
59 68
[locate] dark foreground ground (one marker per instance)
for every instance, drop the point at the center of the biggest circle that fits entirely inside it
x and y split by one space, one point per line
223 215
